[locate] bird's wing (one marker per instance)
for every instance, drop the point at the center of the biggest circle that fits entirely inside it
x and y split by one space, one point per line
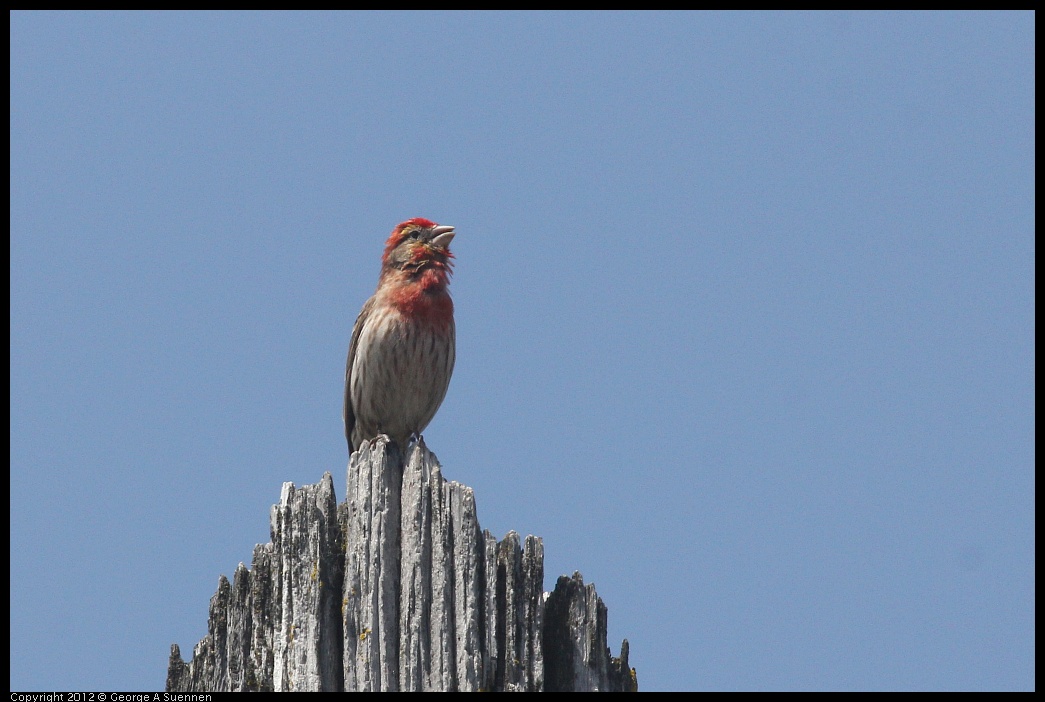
347 414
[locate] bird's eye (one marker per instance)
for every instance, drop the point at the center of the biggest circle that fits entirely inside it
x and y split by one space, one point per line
414 234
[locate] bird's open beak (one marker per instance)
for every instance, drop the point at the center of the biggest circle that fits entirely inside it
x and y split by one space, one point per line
441 236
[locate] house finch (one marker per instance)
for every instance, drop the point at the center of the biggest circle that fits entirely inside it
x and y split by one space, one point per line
402 350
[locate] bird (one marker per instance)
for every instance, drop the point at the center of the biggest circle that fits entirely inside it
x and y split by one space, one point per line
402 351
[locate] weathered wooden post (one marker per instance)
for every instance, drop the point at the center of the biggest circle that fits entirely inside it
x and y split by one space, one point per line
397 588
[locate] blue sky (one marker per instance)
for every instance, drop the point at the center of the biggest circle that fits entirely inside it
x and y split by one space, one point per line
744 310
